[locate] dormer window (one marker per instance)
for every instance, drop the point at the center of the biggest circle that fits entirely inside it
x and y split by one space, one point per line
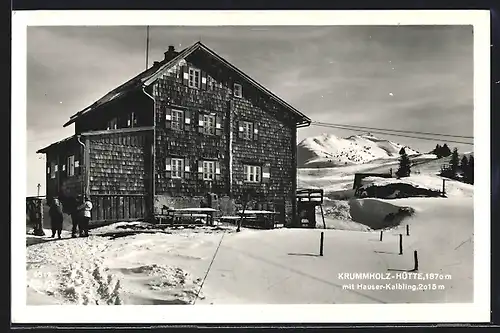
194 78
112 124
238 90
132 120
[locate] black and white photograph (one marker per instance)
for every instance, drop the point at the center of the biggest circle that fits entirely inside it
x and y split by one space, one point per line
234 163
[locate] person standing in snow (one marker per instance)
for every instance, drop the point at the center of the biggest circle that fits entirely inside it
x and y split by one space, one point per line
86 207
75 216
56 217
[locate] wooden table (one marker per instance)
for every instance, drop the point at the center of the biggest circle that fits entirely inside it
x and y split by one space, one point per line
259 218
175 214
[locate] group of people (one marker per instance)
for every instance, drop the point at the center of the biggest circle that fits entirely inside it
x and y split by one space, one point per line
80 212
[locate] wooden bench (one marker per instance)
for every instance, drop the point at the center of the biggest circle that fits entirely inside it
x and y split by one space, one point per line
174 216
262 219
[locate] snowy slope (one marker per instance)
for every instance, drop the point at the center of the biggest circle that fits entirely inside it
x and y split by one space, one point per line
330 150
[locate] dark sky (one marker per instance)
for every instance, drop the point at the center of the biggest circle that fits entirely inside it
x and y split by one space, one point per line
416 78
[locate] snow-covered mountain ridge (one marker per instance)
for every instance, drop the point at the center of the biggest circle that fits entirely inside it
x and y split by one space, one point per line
331 150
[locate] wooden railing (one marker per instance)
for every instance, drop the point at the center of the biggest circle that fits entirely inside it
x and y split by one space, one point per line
118 207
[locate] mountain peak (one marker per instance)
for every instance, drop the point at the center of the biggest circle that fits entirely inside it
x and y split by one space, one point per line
327 149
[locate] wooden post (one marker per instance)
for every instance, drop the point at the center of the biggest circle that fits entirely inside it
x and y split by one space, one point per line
322 216
407 230
415 259
381 234
400 244
444 190
321 243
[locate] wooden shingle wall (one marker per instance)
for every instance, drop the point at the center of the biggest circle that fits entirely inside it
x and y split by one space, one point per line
189 142
118 163
273 147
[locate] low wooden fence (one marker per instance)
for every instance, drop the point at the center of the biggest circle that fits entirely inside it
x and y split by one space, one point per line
119 207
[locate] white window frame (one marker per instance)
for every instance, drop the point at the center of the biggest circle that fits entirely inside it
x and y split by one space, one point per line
209 126
71 165
177 117
193 82
132 120
113 124
177 167
238 90
53 170
208 170
247 130
253 173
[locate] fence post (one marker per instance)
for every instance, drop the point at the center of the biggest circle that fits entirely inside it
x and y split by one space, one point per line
321 243
400 244
407 230
381 234
415 259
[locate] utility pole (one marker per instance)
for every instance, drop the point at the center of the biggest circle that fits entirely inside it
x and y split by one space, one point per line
147 46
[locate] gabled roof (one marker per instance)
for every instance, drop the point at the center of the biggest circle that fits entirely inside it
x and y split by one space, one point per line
44 150
150 75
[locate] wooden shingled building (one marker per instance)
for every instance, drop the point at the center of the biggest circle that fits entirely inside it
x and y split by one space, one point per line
190 125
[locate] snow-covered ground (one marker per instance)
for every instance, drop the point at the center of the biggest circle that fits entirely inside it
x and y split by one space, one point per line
253 266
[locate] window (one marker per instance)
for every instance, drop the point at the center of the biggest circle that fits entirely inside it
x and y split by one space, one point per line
247 130
177 117
177 167
113 124
53 169
71 165
209 124
194 78
252 173
208 170
132 120
238 90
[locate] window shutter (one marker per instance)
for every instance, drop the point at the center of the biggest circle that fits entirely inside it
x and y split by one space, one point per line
203 80
245 172
185 75
187 168
187 119
255 131
200 169
218 125
217 171
200 122
168 117
168 167
266 173
240 130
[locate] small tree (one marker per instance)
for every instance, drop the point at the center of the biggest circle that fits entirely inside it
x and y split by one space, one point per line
470 169
437 151
454 163
404 164
445 151
464 167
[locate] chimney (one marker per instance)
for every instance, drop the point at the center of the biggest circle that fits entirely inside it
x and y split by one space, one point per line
171 53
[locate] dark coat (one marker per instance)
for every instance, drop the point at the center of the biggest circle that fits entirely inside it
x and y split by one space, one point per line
56 216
